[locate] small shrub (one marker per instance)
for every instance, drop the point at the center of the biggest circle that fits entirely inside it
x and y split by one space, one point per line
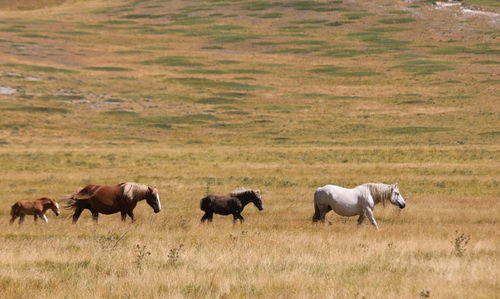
460 243
141 254
174 255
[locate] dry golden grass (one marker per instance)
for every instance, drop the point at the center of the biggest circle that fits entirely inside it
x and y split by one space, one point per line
197 96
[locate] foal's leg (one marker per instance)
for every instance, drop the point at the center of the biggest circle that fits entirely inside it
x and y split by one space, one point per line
44 218
13 218
21 218
369 214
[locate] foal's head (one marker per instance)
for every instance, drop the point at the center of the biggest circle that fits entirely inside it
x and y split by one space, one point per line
52 204
153 199
396 198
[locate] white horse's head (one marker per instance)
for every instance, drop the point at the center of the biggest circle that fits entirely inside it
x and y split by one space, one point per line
396 198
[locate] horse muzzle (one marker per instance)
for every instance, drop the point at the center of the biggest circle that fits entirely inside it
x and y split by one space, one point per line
57 213
402 205
157 210
261 208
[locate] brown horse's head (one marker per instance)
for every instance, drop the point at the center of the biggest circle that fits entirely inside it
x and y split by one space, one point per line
153 199
257 200
53 205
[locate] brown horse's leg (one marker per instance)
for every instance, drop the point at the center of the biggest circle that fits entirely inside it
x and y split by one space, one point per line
95 216
131 214
76 215
36 217
21 218
124 216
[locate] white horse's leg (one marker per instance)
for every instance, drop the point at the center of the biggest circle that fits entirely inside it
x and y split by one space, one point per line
44 218
369 214
361 219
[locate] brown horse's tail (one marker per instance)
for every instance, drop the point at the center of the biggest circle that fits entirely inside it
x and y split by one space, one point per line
74 200
205 203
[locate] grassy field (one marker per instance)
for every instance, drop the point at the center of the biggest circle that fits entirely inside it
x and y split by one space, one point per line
283 96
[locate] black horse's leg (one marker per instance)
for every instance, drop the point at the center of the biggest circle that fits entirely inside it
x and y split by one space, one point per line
13 219
124 216
21 218
76 215
237 216
208 216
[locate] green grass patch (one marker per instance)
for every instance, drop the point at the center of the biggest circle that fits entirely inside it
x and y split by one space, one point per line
121 113
397 21
378 39
414 130
130 52
227 27
425 67
310 21
486 62
309 5
216 100
108 68
207 83
173 61
231 37
344 71
466 50
271 15
118 22
259 5
142 16
75 33
37 109
357 15
41 69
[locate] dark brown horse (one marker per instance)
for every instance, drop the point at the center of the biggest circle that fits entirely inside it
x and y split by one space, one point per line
232 203
37 208
112 199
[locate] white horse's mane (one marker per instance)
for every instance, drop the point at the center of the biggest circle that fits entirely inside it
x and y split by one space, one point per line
379 191
131 190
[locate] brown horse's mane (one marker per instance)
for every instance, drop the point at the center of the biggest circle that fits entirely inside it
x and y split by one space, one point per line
131 190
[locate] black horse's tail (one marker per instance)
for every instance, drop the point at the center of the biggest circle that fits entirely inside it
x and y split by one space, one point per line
205 203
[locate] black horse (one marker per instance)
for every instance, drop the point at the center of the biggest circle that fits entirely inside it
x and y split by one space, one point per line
232 203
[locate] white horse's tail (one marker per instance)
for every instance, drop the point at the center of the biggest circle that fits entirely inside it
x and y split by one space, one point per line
316 215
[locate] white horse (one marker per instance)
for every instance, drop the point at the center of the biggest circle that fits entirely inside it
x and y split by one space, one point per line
357 201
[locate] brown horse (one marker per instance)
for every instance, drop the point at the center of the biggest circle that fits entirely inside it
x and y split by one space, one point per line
37 208
232 203
112 199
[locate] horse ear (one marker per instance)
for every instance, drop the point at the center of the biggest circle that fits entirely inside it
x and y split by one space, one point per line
396 185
